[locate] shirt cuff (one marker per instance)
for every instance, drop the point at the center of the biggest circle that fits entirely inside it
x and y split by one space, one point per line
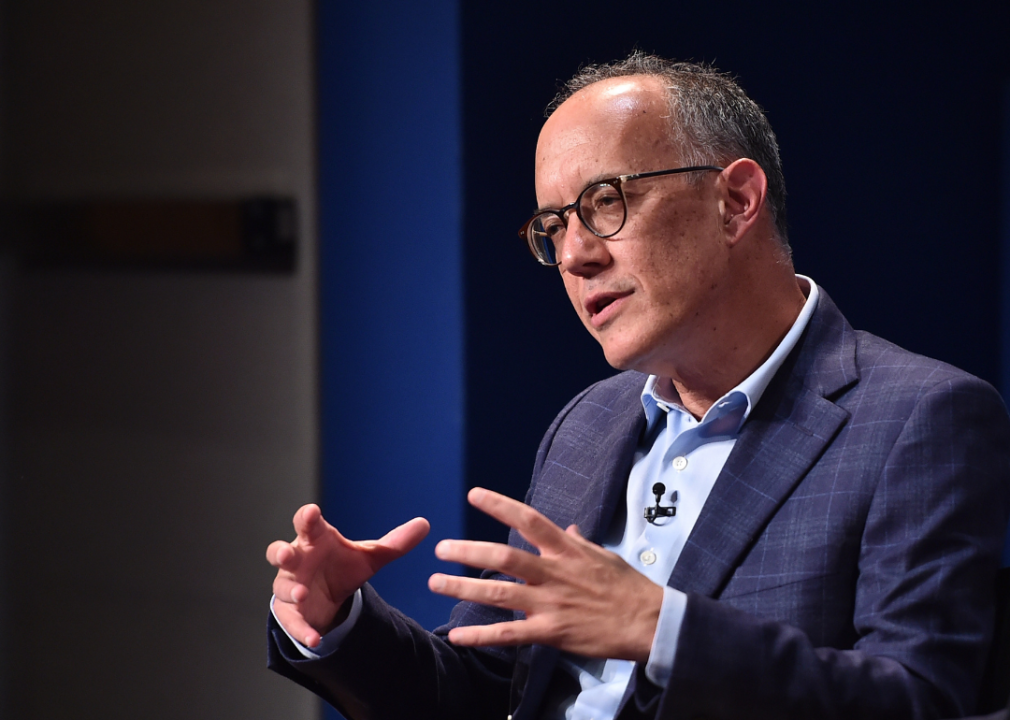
331 640
664 644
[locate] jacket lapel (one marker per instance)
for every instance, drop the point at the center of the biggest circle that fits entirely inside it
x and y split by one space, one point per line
769 459
784 436
612 463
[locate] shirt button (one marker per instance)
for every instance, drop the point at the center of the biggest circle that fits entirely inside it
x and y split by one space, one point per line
679 463
647 557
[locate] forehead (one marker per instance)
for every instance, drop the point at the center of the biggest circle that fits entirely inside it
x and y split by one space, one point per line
612 127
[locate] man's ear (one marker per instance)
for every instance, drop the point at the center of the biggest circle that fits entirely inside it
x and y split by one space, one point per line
744 187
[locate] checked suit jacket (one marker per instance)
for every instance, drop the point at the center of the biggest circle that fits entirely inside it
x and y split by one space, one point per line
842 566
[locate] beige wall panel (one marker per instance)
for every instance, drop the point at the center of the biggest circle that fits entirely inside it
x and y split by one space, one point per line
162 424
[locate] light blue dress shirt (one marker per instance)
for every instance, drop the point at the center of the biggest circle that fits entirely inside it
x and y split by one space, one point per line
686 455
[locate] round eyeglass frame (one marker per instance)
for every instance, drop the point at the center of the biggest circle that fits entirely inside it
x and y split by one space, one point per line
544 257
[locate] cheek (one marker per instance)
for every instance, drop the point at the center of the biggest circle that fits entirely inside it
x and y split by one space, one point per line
691 237
680 271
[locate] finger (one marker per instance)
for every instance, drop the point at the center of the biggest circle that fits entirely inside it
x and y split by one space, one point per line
498 593
405 538
394 544
281 555
291 591
309 523
292 621
516 632
493 556
286 589
532 525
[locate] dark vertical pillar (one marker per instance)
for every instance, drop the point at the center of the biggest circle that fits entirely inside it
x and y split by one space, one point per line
390 289
1005 246
1005 265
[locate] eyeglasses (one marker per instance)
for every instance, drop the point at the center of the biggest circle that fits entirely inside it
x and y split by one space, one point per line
601 207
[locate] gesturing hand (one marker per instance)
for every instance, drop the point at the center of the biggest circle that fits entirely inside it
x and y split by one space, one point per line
577 596
321 569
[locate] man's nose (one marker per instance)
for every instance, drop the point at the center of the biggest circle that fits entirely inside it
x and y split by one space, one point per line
582 253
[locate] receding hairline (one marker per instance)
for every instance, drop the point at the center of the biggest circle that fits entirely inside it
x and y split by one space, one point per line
666 93
660 92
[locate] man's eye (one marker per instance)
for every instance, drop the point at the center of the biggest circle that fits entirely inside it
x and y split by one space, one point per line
603 197
553 228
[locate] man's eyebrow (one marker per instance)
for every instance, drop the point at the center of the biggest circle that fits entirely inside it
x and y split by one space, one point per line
594 181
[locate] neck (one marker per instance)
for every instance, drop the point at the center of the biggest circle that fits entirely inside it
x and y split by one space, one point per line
736 344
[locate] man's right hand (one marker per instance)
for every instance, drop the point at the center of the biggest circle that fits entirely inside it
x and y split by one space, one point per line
320 570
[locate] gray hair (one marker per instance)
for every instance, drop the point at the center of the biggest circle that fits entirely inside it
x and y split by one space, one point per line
711 118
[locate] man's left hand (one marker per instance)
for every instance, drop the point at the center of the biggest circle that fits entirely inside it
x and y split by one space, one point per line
577 596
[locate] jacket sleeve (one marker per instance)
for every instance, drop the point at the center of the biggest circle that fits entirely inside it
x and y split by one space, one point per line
389 667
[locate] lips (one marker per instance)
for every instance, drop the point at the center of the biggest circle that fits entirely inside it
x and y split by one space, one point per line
602 306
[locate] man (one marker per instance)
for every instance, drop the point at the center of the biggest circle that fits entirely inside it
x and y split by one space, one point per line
769 516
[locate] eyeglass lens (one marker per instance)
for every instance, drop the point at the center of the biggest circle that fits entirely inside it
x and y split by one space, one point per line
600 208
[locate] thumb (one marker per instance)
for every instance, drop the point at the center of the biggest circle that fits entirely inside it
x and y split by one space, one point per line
397 542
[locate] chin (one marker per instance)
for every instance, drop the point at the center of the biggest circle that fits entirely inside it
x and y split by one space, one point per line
620 359
645 355
630 347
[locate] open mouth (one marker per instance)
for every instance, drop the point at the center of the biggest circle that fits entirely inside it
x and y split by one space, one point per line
603 303
598 303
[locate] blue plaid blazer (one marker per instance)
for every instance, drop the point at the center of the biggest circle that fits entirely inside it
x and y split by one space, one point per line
842 566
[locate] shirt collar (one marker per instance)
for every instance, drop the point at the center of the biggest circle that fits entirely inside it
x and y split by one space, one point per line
753 386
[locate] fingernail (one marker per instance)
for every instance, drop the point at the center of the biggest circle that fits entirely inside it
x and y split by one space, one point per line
437 582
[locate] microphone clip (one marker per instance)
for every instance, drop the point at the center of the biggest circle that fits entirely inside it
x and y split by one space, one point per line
659 511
